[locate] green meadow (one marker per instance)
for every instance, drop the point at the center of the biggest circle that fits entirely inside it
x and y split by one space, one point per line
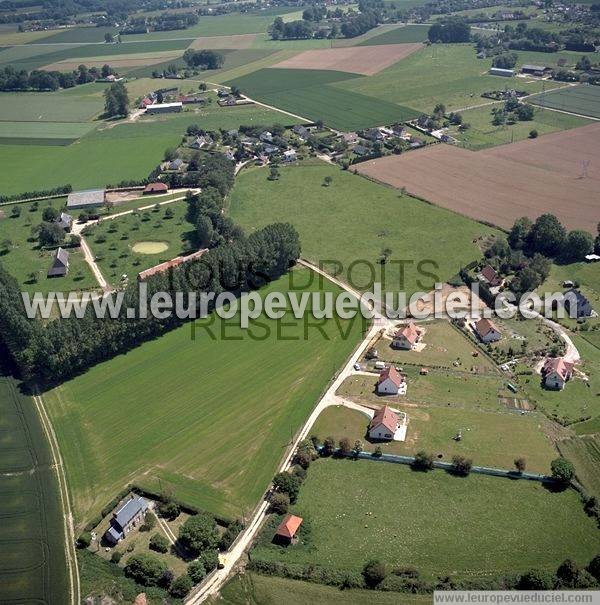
361 510
583 100
209 416
400 35
353 219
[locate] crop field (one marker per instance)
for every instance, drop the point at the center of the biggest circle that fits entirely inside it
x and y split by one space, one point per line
399 35
353 220
43 133
584 100
440 73
79 35
353 59
32 555
189 414
125 151
483 133
482 185
240 41
361 510
254 588
117 62
23 258
310 93
584 453
489 439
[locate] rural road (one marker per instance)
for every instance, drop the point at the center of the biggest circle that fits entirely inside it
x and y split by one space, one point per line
220 576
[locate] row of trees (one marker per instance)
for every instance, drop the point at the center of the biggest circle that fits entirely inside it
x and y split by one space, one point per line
40 80
203 59
450 30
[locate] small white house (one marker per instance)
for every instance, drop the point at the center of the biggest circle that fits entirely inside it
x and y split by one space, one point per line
289 155
390 382
407 337
557 372
384 424
487 331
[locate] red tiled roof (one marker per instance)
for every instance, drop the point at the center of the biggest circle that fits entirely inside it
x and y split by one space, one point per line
153 187
490 275
387 417
391 373
410 332
289 526
485 326
559 365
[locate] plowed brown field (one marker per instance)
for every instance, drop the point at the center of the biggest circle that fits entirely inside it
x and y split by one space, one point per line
557 173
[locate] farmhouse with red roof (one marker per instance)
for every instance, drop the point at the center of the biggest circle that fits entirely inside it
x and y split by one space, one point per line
557 372
391 382
407 337
487 331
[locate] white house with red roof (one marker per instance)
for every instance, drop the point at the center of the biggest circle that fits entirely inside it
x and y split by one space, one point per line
487 331
557 372
391 382
407 337
387 424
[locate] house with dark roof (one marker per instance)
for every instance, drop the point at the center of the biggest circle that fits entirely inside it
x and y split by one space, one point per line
287 529
391 382
301 131
155 188
65 221
536 70
489 276
487 330
125 518
60 264
577 305
175 165
556 373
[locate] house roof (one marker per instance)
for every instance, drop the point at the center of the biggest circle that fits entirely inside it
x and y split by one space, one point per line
156 187
88 197
559 365
392 373
387 417
490 275
62 257
129 510
485 326
64 220
534 67
176 163
114 533
410 332
289 526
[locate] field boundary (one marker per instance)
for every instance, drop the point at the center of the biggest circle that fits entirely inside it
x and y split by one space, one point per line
70 554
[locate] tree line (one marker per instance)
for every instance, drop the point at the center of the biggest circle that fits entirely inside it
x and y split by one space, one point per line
40 80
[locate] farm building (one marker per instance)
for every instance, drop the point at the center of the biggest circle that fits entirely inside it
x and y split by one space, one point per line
385 424
487 331
65 221
577 305
155 188
126 518
289 155
407 337
60 264
86 199
536 70
146 102
266 137
158 108
288 528
489 276
557 372
201 141
391 382
175 165
301 131
498 71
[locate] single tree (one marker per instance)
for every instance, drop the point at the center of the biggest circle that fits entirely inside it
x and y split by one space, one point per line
280 503
159 543
562 470
199 533
345 447
374 572
181 586
520 464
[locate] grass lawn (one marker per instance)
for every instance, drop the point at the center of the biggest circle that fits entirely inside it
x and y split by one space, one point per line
227 74
254 589
113 241
484 134
444 345
110 155
584 453
353 220
24 256
32 557
441 73
400 35
178 406
525 336
310 93
359 510
43 133
489 439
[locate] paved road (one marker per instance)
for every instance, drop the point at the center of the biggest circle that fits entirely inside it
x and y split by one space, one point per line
244 540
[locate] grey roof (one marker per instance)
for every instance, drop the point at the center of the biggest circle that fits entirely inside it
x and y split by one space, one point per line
534 67
89 197
60 264
301 130
271 149
114 534
130 510
65 220
360 150
176 164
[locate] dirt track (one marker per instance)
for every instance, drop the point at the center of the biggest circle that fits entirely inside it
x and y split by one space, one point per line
365 60
501 184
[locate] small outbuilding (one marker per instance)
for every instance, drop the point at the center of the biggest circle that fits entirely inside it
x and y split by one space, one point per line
498 71
489 276
536 70
577 305
156 188
288 529
158 108
60 264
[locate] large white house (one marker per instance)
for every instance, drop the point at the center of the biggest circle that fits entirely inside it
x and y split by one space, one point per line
487 331
391 382
407 337
384 424
556 373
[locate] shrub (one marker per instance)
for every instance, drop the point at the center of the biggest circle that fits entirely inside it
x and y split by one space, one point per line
280 503
145 569
345 446
199 533
288 484
520 464
232 532
209 559
84 540
374 573
149 522
536 579
562 470
159 543
116 556
196 571
533 134
169 510
423 461
594 567
181 586
461 465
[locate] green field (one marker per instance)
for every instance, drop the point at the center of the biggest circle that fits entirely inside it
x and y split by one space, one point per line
253 589
401 35
311 94
80 35
32 555
43 133
126 151
583 100
353 220
23 257
584 453
483 133
361 510
210 418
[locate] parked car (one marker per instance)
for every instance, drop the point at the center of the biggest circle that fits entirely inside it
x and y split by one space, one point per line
357 367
